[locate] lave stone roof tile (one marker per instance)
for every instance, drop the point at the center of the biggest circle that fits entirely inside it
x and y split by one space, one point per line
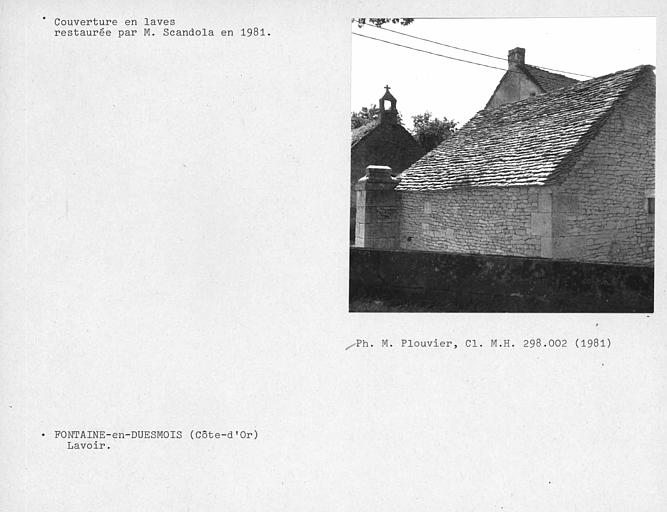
358 134
524 143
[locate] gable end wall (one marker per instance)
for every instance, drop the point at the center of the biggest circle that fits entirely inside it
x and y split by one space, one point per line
513 86
599 209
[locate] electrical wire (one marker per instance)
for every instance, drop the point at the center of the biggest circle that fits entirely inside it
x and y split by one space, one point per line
457 48
430 53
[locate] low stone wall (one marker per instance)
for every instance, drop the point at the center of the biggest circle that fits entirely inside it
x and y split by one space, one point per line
484 283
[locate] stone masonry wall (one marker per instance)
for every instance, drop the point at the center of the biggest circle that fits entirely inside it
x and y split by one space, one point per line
494 220
514 86
600 209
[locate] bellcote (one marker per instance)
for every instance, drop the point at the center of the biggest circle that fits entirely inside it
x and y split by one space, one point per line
388 112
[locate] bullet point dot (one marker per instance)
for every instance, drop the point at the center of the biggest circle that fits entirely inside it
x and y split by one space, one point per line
42 434
43 17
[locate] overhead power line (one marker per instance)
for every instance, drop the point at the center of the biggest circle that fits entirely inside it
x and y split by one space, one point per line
441 44
430 53
466 50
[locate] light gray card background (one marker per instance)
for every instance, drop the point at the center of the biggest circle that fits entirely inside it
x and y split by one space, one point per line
174 220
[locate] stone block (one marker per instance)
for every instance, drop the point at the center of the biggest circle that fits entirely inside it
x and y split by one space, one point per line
378 173
565 203
383 230
384 243
544 201
359 230
540 224
381 198
381 214
360 214
559 225
568 246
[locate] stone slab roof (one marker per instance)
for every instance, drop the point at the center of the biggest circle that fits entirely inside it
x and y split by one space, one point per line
358 134
525 143
547 80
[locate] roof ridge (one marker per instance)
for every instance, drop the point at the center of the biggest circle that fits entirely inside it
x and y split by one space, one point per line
550 94
637 67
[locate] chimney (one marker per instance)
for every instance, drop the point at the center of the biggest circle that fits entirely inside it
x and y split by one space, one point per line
516 57
388 115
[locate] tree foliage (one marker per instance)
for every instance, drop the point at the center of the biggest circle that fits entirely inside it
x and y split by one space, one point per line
367 115
378 22
430 131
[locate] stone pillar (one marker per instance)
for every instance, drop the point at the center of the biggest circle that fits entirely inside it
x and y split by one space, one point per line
541 222
377 209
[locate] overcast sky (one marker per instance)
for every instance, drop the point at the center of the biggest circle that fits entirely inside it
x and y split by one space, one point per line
457 90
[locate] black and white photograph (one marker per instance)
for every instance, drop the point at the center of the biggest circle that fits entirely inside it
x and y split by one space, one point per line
502 165
222 224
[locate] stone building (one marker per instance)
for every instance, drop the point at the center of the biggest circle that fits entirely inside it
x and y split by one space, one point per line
522 81
567 174
381 142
